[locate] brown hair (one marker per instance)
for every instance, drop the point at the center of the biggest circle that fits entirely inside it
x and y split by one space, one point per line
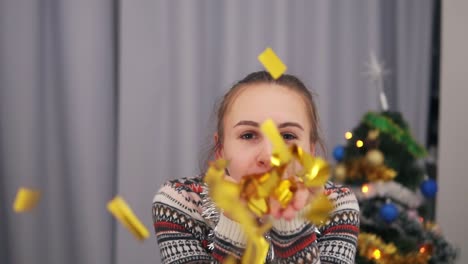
286 80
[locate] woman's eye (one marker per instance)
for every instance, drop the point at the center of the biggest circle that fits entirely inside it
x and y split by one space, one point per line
289 136
248 136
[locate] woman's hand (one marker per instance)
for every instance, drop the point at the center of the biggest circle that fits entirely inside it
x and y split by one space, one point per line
301 198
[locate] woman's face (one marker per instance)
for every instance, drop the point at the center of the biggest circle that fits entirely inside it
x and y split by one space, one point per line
244 146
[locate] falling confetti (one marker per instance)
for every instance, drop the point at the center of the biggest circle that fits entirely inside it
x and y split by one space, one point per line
26 200
272 63
120 209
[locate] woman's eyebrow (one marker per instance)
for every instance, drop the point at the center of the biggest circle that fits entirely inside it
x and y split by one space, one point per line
247 123
255 124
287 124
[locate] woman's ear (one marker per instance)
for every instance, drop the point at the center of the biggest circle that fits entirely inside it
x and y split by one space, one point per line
218 146
312 149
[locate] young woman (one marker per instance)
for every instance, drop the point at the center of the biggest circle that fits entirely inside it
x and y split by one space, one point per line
190 230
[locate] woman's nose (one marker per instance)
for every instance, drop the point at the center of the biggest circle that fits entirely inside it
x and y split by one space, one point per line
264 155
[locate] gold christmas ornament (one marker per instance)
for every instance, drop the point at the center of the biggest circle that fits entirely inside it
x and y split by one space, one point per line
373 134
375 157
340 172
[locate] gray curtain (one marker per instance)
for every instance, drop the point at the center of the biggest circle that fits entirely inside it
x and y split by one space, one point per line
99 98
57 129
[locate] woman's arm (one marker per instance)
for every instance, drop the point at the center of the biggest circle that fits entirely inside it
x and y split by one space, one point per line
182 232
229 240
337 241
299 241
294 241
180 236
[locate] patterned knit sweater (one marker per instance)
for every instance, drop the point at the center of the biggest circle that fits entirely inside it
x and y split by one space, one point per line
185 236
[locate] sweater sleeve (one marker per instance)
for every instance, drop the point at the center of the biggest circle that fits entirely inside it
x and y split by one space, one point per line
230 240
337 241
294 241
297 241
182 233
179 233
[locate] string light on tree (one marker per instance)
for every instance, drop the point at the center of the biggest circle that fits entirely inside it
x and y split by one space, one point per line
348 135
426 249
365 188
377 254
359 143
422 250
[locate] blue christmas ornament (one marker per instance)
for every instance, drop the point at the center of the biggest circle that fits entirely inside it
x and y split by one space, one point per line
429 188
338 153
389 212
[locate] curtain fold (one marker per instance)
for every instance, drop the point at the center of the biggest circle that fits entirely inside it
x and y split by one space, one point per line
57 129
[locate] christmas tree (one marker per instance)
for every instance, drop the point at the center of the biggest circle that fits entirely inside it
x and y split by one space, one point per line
385 166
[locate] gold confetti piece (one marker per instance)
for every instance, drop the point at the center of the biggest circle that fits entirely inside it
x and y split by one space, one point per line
258 206
26 200
272 63
257 252
120 209
317 174
267 183
316 171
281 153
320 209
283 193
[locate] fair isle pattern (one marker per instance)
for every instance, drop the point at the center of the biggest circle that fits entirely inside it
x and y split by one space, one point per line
297 248
309 256
184 235
338 237
182 250
170 219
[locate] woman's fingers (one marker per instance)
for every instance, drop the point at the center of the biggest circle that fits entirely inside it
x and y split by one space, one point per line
275 208
300 198
278 212
289 213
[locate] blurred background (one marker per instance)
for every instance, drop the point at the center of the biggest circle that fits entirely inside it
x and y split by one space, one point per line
99 98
